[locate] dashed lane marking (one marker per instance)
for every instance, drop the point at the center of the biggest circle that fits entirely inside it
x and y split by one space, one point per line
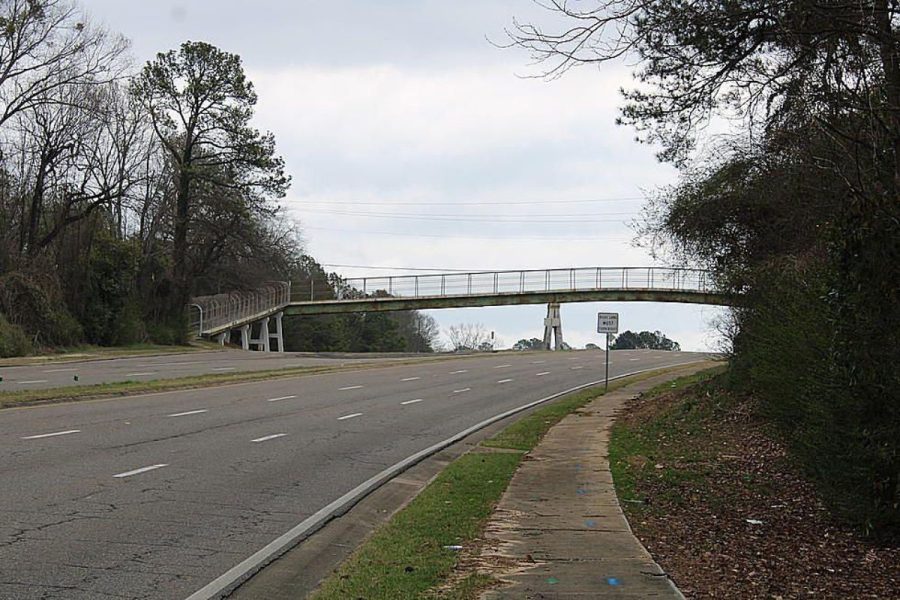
502 366
460 371
140 374
189 412
350 416
349 387
54 434
576 368
139 471
411 401
223 368
278 399
60 370
410 378
462 390
32 381
542 373
266 438
504 381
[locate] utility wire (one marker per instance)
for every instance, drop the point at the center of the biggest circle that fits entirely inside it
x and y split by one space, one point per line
477 203
470 219
523 238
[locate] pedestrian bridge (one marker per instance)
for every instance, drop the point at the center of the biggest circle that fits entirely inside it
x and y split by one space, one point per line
216 316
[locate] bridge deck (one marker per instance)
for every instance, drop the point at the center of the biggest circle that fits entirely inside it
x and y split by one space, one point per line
457 290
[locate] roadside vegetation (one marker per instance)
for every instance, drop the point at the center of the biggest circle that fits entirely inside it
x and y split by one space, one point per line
414 555
709 487
126 190
794 208
130 388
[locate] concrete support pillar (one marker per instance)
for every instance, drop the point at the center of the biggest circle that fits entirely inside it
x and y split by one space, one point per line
245 337
222 337
278 335
553 327
262 341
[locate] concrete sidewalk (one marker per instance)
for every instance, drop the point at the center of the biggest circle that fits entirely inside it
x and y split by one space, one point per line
558 531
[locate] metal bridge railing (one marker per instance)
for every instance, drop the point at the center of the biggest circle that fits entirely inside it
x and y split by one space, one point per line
209 312
516 282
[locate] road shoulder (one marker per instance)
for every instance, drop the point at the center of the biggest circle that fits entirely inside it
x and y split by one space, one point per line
559 531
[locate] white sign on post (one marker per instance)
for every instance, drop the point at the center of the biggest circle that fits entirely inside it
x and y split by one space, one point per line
607 322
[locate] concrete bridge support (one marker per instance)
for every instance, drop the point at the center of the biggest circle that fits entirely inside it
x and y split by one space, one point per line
553 327
278 335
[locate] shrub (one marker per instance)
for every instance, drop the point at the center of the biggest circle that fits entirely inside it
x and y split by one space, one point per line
13 341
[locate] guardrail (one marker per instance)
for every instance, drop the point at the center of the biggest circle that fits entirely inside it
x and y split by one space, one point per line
514 282
211 312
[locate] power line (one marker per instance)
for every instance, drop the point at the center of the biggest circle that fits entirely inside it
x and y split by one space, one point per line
439 269
475 215
502 203
522 238
538 219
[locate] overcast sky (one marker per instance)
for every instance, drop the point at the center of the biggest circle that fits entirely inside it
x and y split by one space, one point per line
404 109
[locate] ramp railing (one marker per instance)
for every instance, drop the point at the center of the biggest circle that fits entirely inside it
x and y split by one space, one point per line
209 313
495 283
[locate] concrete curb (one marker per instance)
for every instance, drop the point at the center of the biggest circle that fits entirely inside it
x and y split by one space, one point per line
231 579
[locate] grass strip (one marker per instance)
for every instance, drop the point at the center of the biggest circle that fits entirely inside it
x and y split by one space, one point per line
635 448
408 557
90 352
10 399
413 552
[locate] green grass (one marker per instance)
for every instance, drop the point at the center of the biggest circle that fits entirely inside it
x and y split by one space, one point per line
86 351
635 449
129 388
407 557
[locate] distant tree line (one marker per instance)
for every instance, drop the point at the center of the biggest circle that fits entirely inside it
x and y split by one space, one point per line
650 340
123 192
797 212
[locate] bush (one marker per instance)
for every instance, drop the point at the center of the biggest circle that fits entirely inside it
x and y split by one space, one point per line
847 438
27 304
13 341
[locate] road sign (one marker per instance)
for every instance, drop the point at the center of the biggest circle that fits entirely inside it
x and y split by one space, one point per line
607 322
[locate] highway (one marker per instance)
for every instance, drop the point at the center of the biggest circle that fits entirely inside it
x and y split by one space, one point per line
154 496
147 368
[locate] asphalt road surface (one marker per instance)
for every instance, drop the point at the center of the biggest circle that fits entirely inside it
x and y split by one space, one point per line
147 368
155 496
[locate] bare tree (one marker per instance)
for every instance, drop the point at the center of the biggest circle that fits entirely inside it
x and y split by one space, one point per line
468 336
48 45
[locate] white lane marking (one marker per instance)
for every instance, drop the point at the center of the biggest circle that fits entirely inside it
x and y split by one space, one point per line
280 398
170 364
32 381
139 471
54 434
60 370
578 367
411 401
350 416
266 438
460 371
224 368
502 366
289 538
140 374
538 362
633 359
189 412
349 387
462 390
504 381
410 378
542 373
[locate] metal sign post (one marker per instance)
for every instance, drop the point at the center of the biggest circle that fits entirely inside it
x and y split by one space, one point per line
607 323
